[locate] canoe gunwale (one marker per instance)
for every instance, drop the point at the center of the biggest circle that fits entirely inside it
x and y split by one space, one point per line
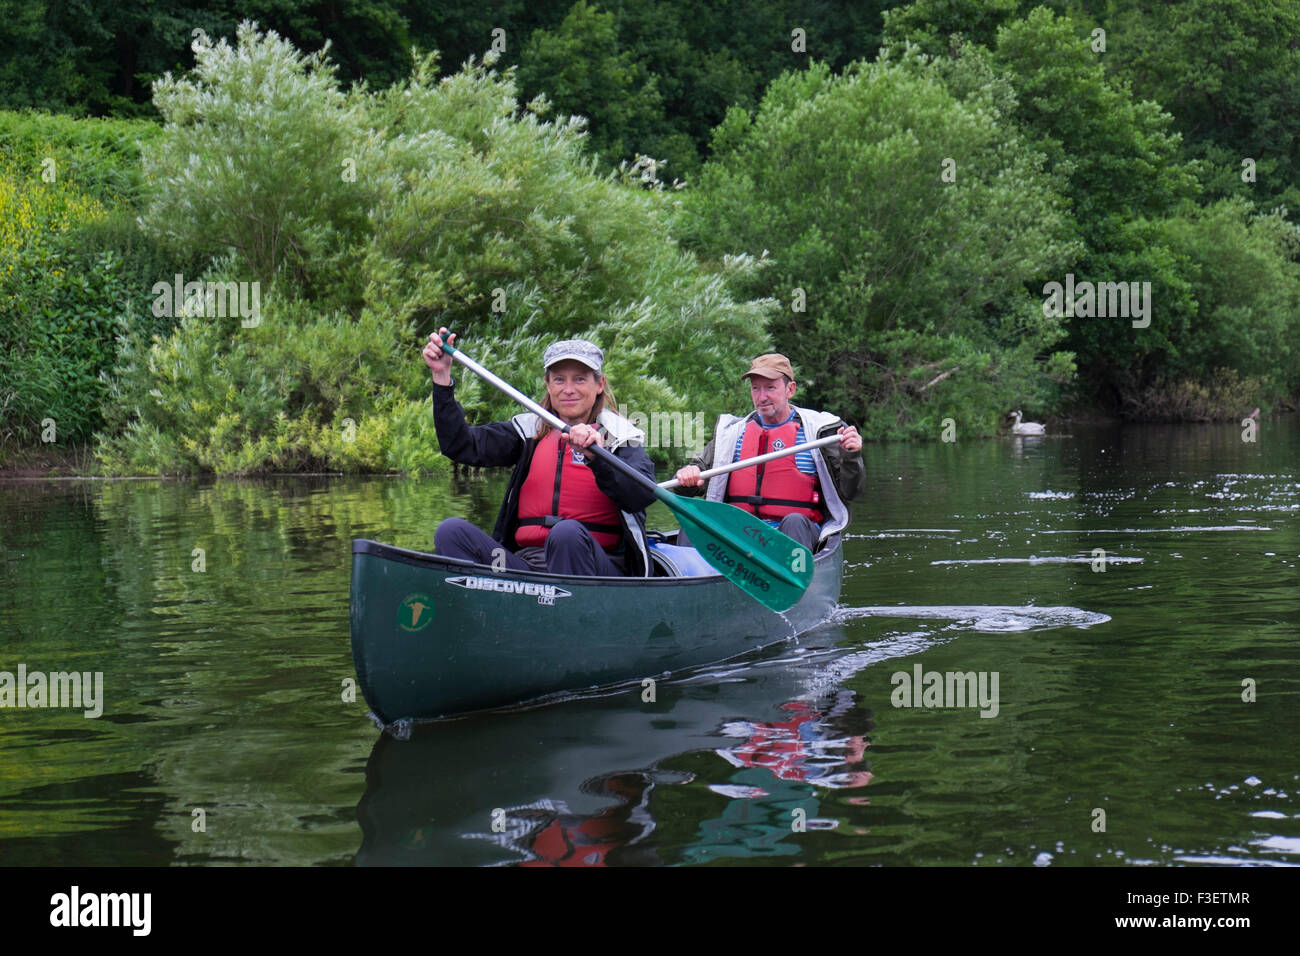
438 562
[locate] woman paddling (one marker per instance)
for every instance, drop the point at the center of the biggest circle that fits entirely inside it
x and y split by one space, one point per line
565 511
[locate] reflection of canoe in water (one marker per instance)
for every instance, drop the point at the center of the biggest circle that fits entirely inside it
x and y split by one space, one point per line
433 636
434 797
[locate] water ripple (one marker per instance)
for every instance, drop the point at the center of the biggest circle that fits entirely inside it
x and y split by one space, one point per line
991 618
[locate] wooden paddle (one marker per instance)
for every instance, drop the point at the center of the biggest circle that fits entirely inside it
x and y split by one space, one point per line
767 565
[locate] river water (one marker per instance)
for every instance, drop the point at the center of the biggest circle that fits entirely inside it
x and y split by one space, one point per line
1127 601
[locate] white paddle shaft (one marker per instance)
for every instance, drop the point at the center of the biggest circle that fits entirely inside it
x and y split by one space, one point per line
758 459
554 420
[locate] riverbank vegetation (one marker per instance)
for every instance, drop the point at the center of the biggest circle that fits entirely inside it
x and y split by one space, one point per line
232 269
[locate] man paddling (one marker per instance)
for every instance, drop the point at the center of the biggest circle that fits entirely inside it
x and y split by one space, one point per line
805 496
565 511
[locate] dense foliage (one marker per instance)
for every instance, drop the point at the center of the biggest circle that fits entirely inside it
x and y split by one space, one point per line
1135 199
903 180
679 65
1229 75
73 268
369 219
58 312
904 292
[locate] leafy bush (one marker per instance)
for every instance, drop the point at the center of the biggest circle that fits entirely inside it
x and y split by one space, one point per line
75 269
99 157
253 156
1220 394
299 391
58 311
1244 277
1225 296
464 211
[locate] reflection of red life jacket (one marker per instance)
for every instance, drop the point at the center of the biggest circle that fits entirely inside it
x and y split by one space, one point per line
778 488
584 844
780 746
557 487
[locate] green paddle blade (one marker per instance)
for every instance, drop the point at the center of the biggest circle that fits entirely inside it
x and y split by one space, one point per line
767 565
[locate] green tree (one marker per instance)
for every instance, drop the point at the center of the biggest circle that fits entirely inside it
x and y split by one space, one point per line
903 224
580 69
931 24
1244 278
1121 152
1229 74
267 179
1131 194
90 58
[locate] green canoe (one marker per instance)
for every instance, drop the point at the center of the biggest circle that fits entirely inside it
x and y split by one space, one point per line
435 636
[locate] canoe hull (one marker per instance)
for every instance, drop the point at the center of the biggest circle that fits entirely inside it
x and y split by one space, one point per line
434 636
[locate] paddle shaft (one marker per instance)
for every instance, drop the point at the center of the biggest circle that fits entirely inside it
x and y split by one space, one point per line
758 459
554 420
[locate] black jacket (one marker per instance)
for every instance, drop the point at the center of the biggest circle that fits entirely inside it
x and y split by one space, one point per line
500 443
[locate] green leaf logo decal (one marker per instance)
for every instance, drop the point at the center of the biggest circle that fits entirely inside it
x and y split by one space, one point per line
415 613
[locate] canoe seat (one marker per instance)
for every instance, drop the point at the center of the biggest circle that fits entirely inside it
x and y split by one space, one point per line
672 561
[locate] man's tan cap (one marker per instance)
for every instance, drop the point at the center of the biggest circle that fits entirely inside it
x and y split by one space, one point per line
772 365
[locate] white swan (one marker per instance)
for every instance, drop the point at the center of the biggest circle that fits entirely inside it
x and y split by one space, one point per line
1026 428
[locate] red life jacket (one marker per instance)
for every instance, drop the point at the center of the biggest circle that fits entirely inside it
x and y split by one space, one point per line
556 488
776 488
